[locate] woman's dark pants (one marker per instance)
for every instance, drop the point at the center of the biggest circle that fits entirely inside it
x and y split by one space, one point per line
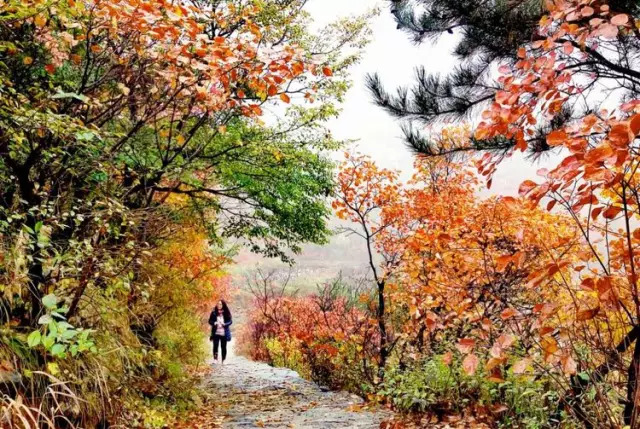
222 341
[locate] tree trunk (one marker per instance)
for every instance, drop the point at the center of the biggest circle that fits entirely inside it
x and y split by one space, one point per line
630 408
383 330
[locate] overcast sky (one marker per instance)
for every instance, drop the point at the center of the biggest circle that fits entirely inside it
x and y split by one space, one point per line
394 56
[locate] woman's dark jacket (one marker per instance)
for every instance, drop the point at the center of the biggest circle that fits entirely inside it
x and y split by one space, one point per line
227 323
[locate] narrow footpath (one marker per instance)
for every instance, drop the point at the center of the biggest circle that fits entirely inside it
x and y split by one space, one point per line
249 394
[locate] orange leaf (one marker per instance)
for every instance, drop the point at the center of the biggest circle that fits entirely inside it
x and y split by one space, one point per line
549 345
508 313
284 97
327 71
620 19
470 364
493 362
557 137
521 366
569 365
465 345
502 262
588 314
40 21
526 187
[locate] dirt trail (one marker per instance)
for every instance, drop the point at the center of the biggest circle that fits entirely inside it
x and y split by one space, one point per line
250 394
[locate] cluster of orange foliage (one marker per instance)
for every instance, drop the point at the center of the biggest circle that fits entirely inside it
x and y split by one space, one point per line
456 263
187 272
596 183
169 51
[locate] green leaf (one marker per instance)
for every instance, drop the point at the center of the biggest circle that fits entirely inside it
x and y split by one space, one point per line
69 334
58 350
78 97
48 342
50 301
45 319
34 339
85 136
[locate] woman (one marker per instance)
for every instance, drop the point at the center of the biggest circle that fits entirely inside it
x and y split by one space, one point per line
220 321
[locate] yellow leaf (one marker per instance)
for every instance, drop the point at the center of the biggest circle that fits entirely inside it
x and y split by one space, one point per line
40 21
53 368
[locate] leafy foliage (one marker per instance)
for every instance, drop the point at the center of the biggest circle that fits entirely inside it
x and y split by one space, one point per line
461 292
549 94
133 147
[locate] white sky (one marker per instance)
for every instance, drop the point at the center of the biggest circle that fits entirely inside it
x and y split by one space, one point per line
394 56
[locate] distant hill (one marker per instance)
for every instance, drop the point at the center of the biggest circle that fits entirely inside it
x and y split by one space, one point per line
315 264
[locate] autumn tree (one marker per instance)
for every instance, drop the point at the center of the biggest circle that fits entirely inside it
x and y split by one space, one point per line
365 193
487 35
596 181
122 122
549 95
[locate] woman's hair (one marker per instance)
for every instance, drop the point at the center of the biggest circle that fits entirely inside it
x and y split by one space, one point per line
226 313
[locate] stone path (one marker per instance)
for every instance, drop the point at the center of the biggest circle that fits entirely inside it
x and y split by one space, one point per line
250 394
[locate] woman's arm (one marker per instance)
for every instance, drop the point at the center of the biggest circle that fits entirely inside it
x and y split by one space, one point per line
212 318
229 323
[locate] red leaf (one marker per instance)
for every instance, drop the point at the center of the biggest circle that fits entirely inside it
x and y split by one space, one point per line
588 314
587 11
526 187
611 212
634 124
596 212
608 30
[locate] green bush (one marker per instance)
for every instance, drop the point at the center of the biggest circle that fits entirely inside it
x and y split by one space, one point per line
432 386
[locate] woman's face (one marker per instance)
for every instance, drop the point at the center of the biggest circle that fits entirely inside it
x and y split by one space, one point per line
219 305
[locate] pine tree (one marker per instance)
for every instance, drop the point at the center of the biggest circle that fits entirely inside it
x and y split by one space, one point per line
490 31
